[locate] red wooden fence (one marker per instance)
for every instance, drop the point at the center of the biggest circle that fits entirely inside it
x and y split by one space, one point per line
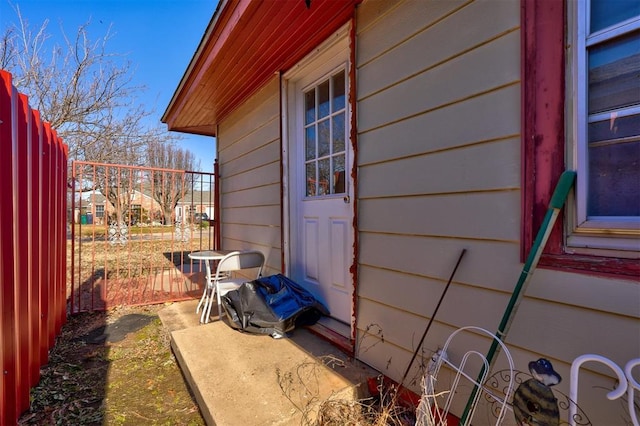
33 205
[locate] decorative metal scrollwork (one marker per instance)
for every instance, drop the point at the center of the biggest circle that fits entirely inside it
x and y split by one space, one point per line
182 232
118 233
498 381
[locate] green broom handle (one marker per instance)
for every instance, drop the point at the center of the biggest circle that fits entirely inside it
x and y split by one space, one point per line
555 205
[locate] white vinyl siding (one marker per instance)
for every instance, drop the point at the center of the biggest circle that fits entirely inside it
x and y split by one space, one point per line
439 169
249 158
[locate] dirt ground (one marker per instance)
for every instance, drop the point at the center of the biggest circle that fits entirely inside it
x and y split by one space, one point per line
112 368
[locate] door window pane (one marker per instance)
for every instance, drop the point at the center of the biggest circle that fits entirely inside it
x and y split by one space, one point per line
310 106
324 173
323 99
338 91
338 133
310 143
324 138
311 179
338 175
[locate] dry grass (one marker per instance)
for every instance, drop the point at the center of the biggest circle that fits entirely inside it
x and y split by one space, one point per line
132 381
300 386
362 413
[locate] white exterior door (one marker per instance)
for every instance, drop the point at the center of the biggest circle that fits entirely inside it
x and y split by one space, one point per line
319 179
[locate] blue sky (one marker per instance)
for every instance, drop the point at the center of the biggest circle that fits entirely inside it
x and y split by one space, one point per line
159 37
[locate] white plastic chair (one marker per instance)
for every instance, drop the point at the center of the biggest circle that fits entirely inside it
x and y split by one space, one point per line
222 282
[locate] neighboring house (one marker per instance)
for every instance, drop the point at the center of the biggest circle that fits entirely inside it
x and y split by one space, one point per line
195 202
363 144
89 205
99 207
142 207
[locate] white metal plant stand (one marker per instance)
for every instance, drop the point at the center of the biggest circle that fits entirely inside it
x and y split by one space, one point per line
429 413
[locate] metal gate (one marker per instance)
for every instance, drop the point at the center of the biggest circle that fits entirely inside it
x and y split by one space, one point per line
131 229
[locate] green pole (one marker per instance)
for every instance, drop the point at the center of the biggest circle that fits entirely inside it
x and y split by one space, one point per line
555 205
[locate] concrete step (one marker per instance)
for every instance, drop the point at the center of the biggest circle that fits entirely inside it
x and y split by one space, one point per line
245 379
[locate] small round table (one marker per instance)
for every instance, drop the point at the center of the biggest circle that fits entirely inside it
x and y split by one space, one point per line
207 256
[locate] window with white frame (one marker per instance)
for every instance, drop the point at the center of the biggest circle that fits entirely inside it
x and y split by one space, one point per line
100 210
325 117
606 126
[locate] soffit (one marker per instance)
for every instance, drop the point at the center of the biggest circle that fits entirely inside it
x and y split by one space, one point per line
246 43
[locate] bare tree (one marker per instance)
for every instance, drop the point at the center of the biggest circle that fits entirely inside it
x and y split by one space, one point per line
87 94
168 187
83 90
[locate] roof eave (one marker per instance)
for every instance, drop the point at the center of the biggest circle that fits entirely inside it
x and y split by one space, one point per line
246 42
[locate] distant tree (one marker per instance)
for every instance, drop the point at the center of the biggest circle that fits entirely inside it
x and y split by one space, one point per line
87 95
83 90
167 186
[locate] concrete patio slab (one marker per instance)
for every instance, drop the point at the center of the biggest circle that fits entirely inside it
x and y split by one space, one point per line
245 379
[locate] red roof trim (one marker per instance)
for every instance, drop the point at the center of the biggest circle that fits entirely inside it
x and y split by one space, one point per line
224 26
249 41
